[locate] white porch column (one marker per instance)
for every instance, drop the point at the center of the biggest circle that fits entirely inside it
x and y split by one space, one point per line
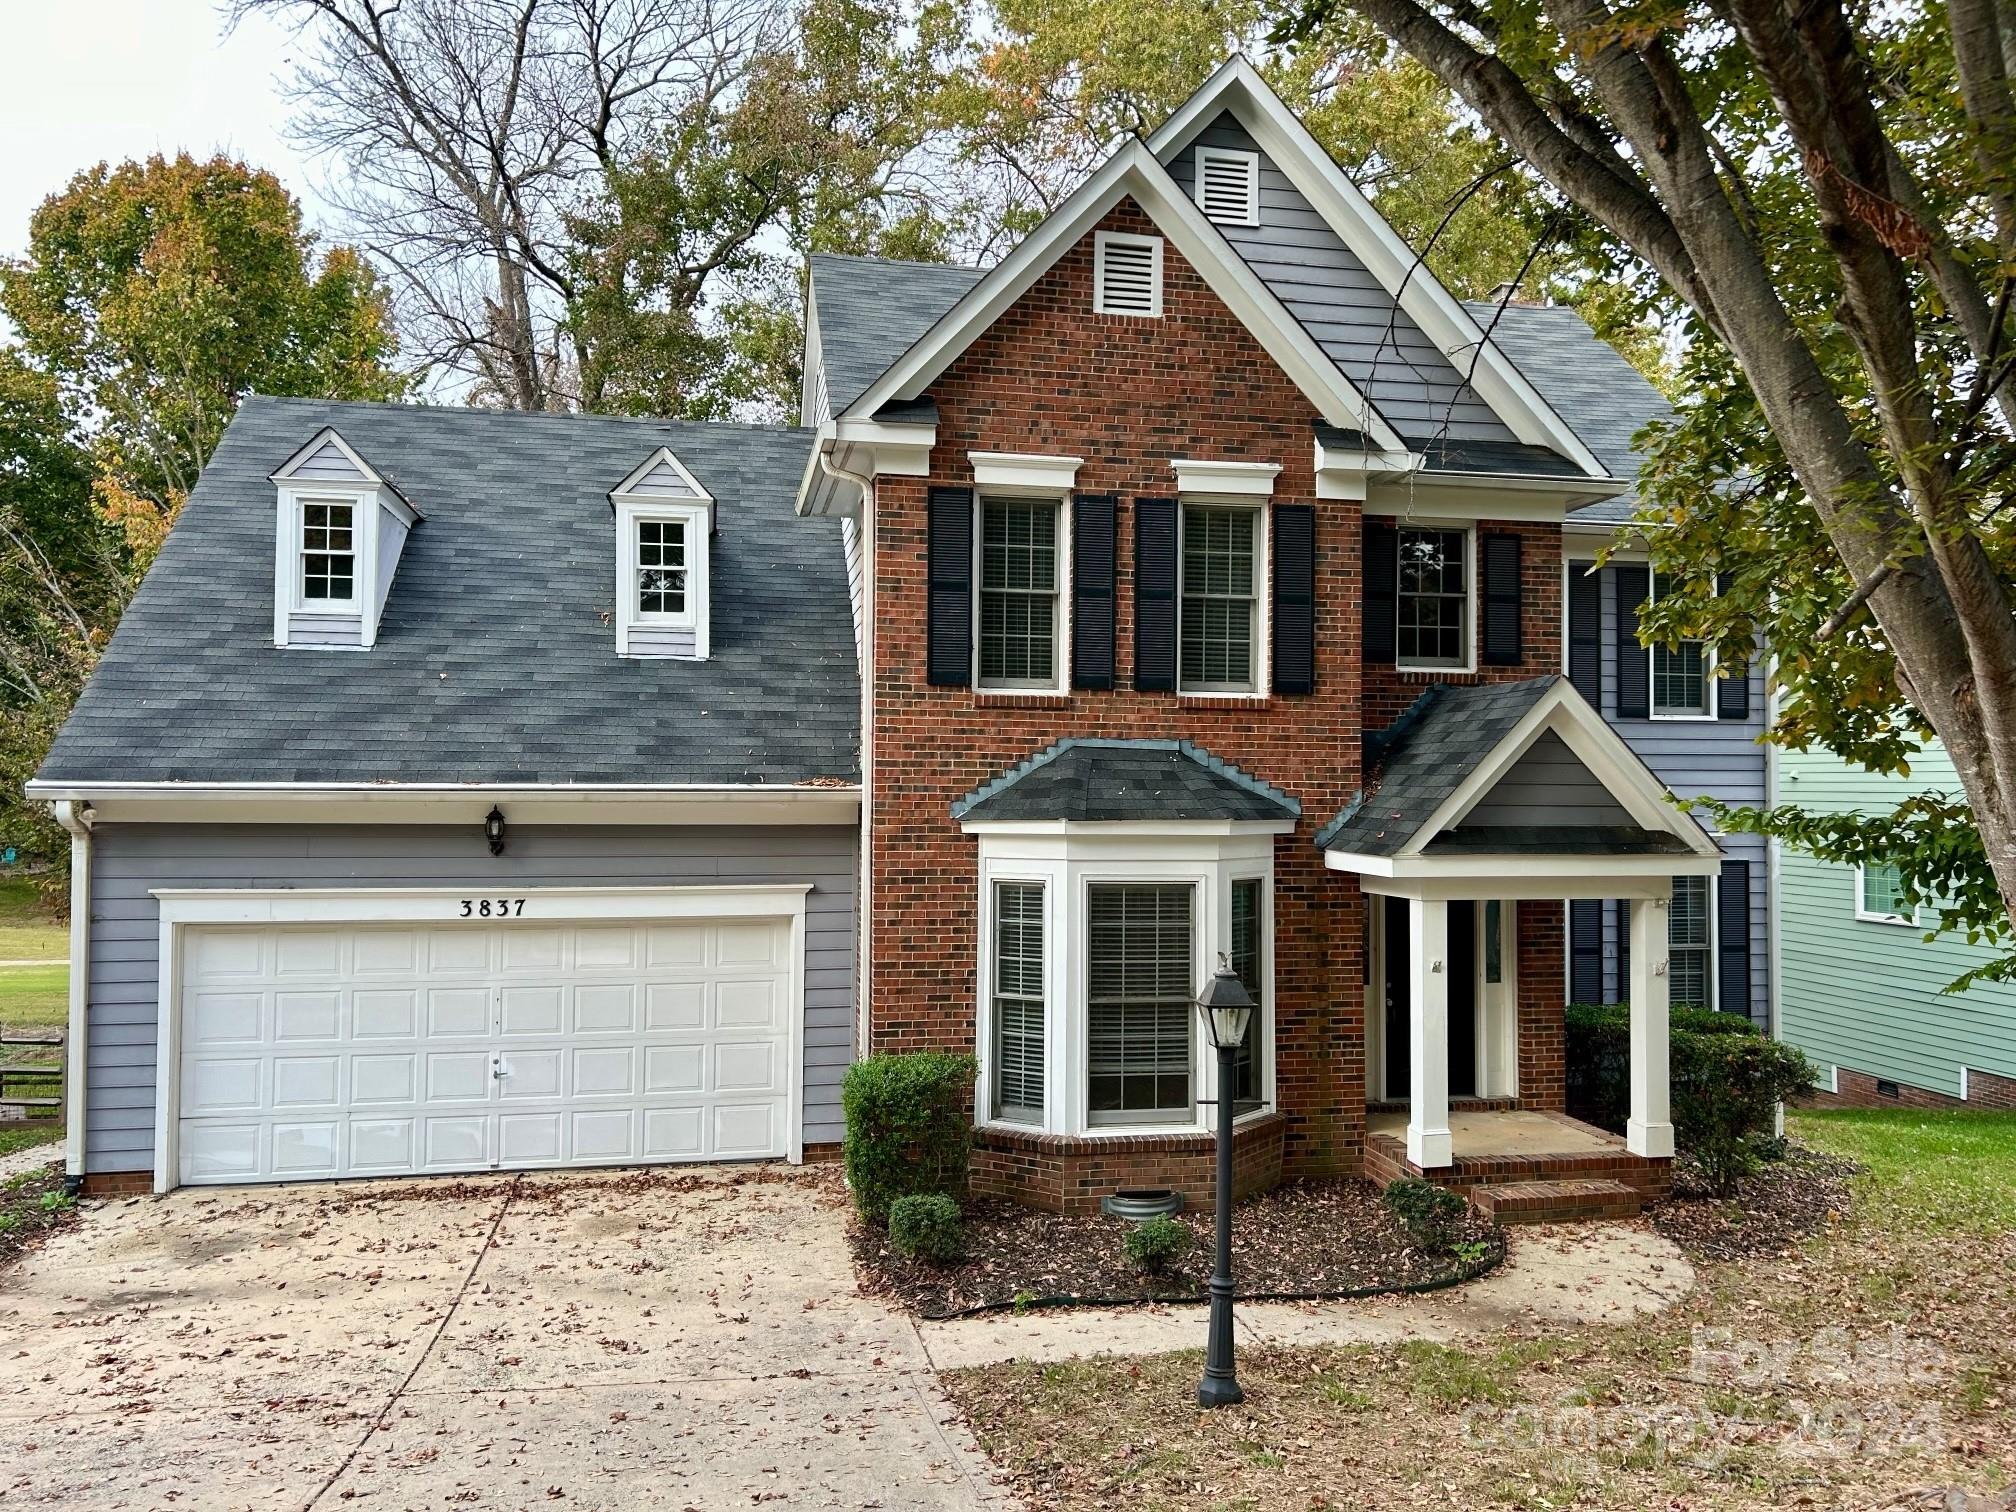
1649 1130
1428 1142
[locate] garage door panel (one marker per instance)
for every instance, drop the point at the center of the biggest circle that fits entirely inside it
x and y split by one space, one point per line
372 1050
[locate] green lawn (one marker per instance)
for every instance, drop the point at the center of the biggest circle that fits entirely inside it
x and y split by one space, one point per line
34 997
27 932
1931 1172
22 1136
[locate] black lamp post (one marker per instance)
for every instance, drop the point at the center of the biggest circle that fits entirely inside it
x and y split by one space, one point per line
1227 1008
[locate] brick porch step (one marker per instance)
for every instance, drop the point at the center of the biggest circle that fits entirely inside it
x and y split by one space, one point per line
1557 1201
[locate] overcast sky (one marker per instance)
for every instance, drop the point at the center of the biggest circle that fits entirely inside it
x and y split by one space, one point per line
91 80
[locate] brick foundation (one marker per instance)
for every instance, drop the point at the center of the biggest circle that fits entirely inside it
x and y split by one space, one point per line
1069 1175
1985 1090
824 1154
118 1183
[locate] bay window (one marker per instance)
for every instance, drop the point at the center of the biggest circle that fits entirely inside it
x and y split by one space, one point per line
1140 1003
1249 960
1018 1001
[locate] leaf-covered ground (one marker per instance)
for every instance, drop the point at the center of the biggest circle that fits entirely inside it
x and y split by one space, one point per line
1873 1366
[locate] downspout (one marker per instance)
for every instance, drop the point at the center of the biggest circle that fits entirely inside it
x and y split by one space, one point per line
864 968
77 818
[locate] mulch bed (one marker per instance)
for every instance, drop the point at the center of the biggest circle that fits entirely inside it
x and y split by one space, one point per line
32 1206
1306 1239
1787 1201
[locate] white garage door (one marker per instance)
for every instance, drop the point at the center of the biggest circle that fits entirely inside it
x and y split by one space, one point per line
370 1050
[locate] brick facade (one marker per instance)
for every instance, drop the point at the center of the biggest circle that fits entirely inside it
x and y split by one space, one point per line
1543 994
1070 1175
1985 1090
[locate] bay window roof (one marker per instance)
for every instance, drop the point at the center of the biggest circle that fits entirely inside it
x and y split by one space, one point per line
1113 781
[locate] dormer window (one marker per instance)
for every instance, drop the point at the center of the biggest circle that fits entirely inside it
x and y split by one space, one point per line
341 529
664 519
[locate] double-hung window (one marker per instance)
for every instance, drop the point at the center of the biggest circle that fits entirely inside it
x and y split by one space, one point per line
1140 1002
1249 961
1682 675
1019 585
1880 896
1689 944
328 553
1432 611
1018 1001
661 570
1219 609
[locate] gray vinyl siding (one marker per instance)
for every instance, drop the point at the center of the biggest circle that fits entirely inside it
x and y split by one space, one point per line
1328 288
1549 785
327 464
649 640
131 859
1716 758
325 630
391 542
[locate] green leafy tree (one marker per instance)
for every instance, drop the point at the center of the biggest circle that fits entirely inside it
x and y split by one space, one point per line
1828 193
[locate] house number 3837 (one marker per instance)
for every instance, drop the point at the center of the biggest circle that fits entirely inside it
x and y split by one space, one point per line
492 908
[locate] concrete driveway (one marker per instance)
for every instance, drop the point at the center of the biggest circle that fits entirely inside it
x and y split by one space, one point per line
671 1339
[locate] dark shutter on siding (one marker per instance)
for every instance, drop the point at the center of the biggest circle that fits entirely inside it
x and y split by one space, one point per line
1503 646
1294 669
1621 912
1155 595
1732 693
1732 937
1093 533
1585 634
948 657
1585 950
1382 593
1634 665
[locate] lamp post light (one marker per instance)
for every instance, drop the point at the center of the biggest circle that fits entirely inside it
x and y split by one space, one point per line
1227 1008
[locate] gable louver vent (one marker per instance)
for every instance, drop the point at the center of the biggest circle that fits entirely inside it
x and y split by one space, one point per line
1127 274
1228 186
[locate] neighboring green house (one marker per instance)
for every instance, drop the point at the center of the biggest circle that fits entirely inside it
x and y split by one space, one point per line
1858 982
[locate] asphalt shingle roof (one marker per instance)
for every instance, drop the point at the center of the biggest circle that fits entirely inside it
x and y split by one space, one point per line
1604 399
871 311
496 656
1424 757
1125 779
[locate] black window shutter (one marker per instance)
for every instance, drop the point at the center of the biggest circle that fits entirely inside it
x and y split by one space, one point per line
1585 950
1382 592
1585 633
1622 911
1092 544
1732 937
1155 595
1732 693
948 654
1634 665
1294 668
1503 646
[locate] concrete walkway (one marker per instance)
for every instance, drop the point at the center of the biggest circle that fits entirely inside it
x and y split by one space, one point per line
1557 1277
672 1339
31 1159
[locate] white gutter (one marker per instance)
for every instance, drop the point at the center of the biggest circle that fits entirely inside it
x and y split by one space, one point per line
77 818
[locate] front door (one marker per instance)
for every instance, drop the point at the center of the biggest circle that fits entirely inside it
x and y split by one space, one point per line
1462 971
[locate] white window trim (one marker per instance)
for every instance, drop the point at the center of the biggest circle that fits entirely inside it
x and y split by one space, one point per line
1101 240
1708 664
694 514
1263 584
1067 866
1249 162
1468 530
1865 916
288 598
1714 946
1061 683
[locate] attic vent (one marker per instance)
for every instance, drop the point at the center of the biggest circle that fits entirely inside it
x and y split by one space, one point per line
1126 274
1228 186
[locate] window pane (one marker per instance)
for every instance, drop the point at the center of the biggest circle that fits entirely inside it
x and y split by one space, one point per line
1687 943
1218 607
1249 928
1680 674
328 556
661 566
1883 891
1018 593
1140 1003
1018 1001
1432 614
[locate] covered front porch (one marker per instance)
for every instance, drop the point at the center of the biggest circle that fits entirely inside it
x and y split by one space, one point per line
1489 808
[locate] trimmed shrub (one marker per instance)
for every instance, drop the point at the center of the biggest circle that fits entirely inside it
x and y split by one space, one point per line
1432 1215
927 1226
1155 1245
909 1127
1598 1055
1726 1090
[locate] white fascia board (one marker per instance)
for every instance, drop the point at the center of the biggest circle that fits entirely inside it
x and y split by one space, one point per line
1133 170
1024 472
1238 87
1247 480
664 454
454 803
407 905
1425 494
1129 829
1515 877
285 472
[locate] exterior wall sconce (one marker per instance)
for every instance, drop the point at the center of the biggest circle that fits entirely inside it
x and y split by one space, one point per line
493 830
